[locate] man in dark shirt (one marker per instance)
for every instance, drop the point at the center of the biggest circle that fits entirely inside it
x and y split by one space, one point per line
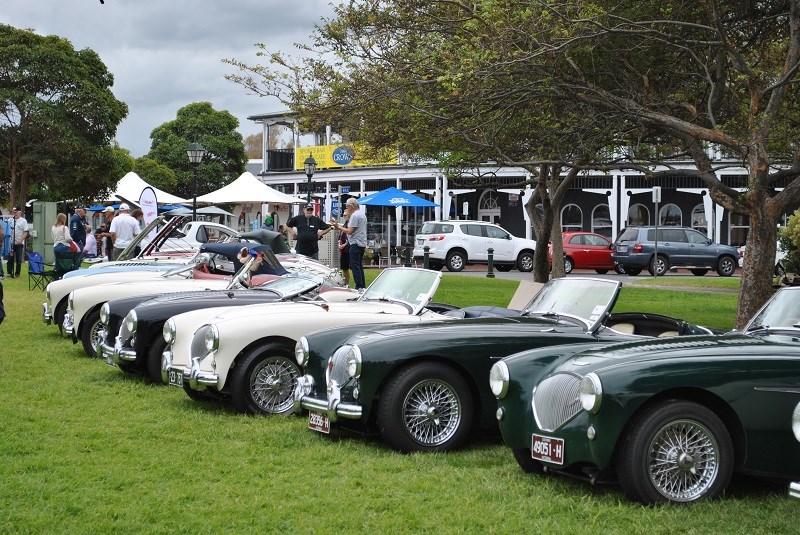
77 230
307 229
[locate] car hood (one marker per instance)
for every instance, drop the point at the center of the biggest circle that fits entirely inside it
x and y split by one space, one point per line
729 346
164 306
310 307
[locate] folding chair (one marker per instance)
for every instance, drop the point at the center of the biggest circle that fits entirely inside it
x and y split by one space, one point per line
64 262
38 273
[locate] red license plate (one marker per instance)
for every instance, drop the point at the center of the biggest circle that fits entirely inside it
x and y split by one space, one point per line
547 449
319 422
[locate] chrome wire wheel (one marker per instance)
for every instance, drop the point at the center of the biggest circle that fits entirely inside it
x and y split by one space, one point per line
431 412
272 383
683 460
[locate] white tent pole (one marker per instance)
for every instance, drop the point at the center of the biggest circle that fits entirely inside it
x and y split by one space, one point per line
389 242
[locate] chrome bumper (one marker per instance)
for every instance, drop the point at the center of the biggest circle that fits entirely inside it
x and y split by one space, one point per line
116 354
331 406
794 489
47 314
68 326
196 378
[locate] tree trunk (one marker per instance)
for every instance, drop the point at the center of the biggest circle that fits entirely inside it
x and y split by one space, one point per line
756 285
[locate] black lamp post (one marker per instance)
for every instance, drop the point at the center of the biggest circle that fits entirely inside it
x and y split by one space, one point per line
310 165
196 153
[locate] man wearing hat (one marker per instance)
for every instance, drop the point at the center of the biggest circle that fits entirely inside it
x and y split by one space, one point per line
307 229
77 230
123 229
19 233
107 247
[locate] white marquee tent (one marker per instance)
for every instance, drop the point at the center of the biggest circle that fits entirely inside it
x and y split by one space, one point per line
130 188
247 188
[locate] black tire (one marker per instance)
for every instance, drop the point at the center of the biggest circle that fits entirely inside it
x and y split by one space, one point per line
525 262
456 261
526 462
58 315
601 271
726 266
699 272
264 380
676 451
569 265
154 356
658 266
409 422
90 333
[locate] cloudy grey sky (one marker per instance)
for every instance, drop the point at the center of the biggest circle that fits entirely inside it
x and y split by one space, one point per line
165 54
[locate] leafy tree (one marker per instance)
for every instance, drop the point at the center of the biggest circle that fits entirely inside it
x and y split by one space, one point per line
789 241
156 174
225 157
58 118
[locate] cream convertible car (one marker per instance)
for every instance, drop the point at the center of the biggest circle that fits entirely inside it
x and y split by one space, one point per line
246 354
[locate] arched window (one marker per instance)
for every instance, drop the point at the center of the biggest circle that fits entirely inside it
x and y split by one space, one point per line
699 221
571 218
601 220
488 208
638 216
670 216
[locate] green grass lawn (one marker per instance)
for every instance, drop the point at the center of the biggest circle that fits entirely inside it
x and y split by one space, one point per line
86 449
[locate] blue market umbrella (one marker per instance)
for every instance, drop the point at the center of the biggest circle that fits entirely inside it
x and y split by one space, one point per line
395 197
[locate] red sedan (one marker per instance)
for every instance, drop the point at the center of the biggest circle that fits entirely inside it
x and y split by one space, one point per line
586 250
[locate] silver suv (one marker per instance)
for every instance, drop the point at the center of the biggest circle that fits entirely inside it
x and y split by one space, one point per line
457 243
678 247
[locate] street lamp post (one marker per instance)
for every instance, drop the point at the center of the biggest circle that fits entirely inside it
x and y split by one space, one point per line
196 153
310 165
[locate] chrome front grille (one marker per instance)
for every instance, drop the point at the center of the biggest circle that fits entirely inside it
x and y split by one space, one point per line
555 400
336 369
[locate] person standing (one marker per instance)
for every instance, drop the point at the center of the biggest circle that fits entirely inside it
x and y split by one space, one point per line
61 236
344 255
77 229
105 236
307 229
356 231
19 234
123 229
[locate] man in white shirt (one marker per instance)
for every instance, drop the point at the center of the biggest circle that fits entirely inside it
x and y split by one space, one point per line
123 229
19 233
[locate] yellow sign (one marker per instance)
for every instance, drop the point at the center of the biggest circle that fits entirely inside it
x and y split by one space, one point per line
344 155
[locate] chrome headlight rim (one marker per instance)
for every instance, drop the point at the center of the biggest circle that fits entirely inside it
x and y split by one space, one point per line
499 379
301 353
105 313
168 331
71 300
590 393
131 321
211 339
353 362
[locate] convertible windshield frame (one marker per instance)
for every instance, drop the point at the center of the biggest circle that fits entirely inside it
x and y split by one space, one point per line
586 299
413 287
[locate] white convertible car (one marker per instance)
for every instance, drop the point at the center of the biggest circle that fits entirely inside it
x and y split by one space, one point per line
246 354
218 267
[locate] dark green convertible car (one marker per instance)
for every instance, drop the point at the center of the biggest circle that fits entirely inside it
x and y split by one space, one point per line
669 420
424 387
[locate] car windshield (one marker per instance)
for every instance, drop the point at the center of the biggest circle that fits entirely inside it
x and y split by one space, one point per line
782 310
588 300
291 285
412 286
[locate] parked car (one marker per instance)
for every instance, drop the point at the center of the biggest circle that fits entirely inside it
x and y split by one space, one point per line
678 248
424 387
457 243
586 250
130 330
246 354
670 419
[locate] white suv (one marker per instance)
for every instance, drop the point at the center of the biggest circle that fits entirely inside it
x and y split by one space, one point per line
456 243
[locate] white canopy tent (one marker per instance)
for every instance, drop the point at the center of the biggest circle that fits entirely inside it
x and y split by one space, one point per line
247 188
129 188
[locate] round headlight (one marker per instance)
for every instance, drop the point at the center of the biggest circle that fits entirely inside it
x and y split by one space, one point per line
353 359
105 312
301 351
211 339
130 321
796 422
590 393
498 379
168 331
